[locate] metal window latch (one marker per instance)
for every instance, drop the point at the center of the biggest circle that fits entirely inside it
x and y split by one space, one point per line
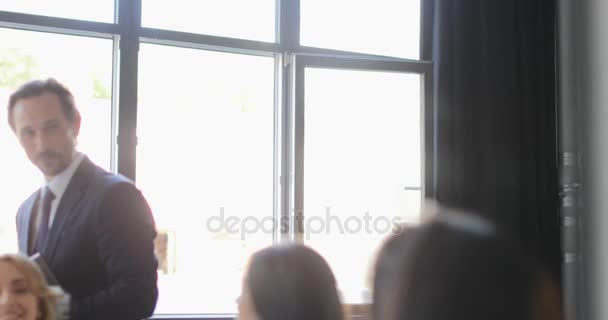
287 59
568 158
568 188
567 194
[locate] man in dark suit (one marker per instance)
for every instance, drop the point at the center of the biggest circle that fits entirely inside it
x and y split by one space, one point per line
94 229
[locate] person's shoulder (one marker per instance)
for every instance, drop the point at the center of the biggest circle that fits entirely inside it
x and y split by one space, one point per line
107 179
112 179
115 185
29 201
103 182
32 196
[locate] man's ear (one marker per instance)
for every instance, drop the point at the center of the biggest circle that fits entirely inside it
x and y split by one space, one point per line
76 124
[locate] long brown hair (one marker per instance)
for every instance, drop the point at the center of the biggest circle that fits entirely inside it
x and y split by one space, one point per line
292 282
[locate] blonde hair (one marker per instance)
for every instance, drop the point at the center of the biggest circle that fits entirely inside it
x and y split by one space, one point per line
48 297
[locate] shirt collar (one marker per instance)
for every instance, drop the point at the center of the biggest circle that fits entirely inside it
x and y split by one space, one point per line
59 183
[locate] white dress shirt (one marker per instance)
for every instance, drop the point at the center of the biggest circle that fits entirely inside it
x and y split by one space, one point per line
58 184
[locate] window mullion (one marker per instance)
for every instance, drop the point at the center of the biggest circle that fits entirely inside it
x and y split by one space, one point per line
129 20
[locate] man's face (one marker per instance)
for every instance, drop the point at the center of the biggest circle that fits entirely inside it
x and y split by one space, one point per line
45 133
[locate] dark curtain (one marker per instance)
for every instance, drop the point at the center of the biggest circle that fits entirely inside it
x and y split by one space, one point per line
495 88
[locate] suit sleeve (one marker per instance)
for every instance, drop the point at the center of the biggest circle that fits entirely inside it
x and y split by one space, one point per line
125 235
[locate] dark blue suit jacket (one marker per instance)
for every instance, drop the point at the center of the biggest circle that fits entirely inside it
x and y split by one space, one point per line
100 246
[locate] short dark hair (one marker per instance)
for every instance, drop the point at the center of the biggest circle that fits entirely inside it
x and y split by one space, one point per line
36 88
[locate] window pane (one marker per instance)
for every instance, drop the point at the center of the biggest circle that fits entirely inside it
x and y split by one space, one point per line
93 10
362 155
26 55
384 27
242 19
205 163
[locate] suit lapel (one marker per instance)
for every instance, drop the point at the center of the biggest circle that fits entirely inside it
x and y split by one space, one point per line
25 222
70 199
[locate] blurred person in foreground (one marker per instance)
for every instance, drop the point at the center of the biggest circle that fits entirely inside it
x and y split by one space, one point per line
289 282
93 229
459 267
387 269
24 292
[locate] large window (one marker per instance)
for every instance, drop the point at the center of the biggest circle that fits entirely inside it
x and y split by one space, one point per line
94 10
211 159
384 27
361 172
244 123
244 19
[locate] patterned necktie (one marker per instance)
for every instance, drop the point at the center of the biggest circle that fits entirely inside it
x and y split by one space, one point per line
43 229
